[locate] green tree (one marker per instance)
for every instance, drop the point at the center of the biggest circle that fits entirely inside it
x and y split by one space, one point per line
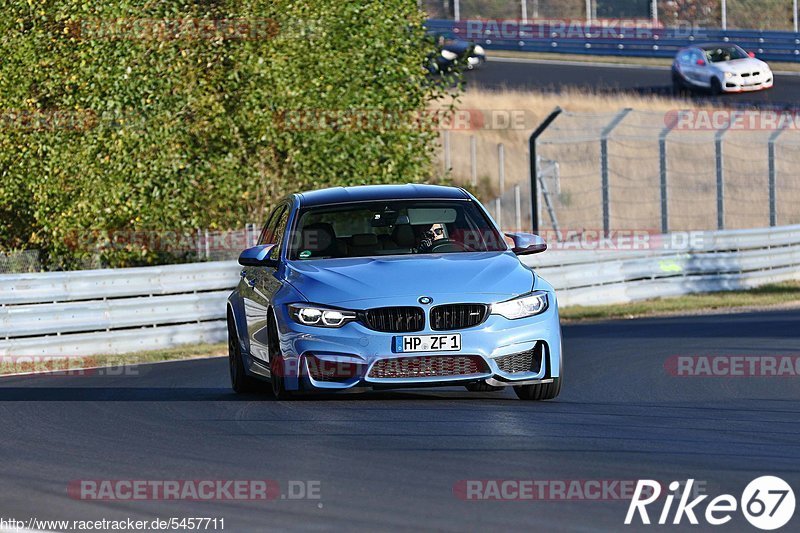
168 116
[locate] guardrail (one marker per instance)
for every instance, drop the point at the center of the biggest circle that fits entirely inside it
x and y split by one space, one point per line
125 310
597 39
114 311
713 261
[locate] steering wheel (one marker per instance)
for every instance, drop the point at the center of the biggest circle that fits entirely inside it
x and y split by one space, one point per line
447 245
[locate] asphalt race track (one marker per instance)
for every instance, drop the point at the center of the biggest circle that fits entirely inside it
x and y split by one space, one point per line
553 76
392 459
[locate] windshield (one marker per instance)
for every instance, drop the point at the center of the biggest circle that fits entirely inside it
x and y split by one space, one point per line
393 228
718 54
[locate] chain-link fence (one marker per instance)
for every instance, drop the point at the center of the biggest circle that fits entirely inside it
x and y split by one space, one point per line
643 170
729 14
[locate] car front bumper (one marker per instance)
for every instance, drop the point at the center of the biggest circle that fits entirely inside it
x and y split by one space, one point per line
737 84
354 356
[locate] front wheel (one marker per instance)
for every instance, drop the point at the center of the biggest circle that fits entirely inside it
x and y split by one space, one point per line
240 382
542 391
678 85
277 369
716 87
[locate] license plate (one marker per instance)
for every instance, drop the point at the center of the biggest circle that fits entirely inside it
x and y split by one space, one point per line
428 343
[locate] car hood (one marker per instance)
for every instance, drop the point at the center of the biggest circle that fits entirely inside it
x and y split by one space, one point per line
484 276
742 66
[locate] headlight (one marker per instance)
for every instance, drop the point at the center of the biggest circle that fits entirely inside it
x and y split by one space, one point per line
478 49
448 55
324 317
528 305
728 74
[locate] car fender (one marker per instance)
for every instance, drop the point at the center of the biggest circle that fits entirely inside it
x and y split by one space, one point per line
236 307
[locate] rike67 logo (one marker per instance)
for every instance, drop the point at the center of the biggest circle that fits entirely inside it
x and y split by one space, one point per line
767 503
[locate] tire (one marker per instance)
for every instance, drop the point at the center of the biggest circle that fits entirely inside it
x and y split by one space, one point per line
678 85
276 367
543 391
716 87
482 386
241 383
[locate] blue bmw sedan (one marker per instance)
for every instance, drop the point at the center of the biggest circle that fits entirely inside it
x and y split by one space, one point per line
389 286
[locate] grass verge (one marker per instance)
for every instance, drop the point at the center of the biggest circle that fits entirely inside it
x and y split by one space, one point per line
759 298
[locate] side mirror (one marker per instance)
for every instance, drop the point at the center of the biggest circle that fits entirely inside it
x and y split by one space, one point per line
258 256
527 243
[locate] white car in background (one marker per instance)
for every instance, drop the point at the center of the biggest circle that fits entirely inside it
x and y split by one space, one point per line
721 68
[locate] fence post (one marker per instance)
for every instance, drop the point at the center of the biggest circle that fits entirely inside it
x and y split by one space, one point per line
517 208
250 235
662 171
604 165
724 14
501 166
473 159
498 211
773 210
199 243
532 166
794 15
456 10
524 11
447 163
720 177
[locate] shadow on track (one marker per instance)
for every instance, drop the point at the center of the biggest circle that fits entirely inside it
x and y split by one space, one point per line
220 394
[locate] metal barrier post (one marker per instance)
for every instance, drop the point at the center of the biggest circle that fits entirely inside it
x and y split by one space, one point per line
473 159
720 177
498 211
604 165
517 208
773 210
501 166
724 14
533 168
662 160
447 162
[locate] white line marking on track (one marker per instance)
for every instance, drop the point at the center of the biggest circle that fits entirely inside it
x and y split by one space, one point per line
600 64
